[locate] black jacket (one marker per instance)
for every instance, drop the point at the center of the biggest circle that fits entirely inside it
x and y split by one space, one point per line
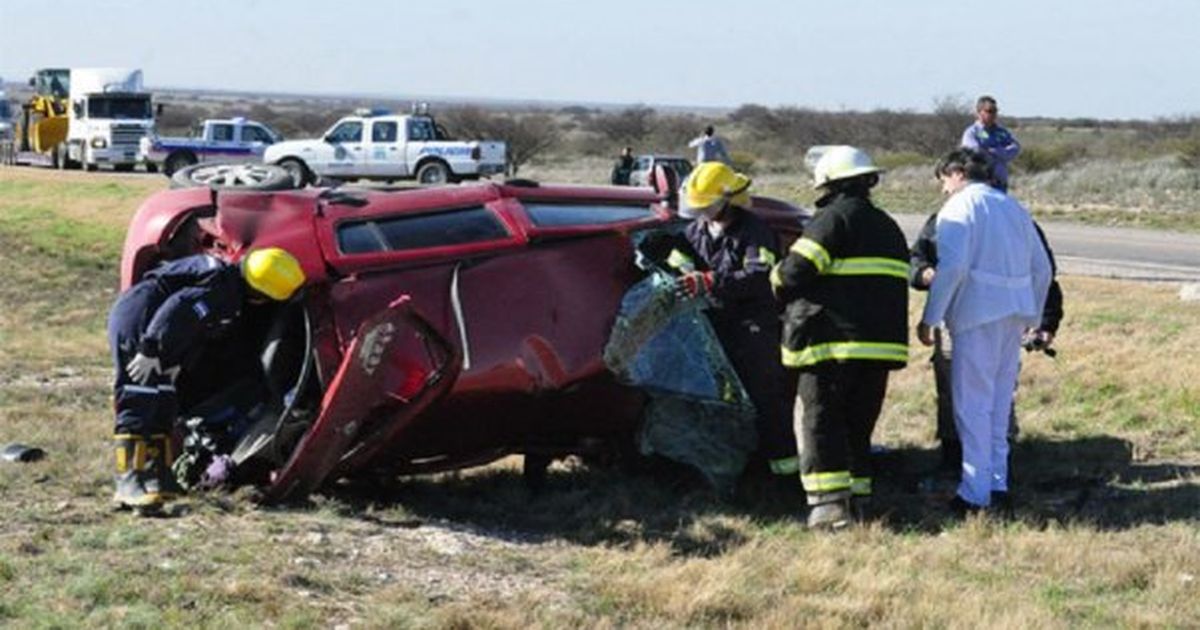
845 285
183 304
923 255
740 258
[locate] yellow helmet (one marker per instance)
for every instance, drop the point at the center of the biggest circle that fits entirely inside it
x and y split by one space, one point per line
709 186
842 162
273 272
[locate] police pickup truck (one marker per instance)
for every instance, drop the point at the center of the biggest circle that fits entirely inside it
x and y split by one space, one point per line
384 146
214 140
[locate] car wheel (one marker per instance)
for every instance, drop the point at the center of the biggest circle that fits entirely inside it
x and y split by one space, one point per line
300 174
433 173
176 162
263 177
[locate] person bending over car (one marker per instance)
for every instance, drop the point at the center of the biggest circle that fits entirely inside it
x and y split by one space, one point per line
156 329
727 255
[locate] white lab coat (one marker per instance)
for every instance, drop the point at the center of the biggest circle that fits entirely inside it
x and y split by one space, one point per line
991 263
992 277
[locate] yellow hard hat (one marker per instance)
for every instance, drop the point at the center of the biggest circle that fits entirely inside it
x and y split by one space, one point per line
842 162
708 186
273 272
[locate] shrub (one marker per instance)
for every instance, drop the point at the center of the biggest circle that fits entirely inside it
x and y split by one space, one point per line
1038 159
743 162
892 160
1189 150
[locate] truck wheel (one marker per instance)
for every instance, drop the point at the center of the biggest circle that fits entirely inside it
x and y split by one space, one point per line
264 177
176 162
433 173
299 173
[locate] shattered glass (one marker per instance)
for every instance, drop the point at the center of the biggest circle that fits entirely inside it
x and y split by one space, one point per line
699 413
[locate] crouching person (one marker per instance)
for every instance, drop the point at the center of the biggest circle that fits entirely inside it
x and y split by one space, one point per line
728 255
845 284
155 329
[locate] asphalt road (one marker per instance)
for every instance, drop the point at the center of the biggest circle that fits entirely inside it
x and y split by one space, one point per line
1111 252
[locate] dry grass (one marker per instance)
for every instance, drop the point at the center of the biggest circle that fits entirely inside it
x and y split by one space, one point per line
1108 480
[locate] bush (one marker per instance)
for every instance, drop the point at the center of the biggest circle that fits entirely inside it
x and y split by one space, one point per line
1189 150
892 160
1038 159
743 162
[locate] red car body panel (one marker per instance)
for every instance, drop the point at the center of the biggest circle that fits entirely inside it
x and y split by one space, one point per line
518 322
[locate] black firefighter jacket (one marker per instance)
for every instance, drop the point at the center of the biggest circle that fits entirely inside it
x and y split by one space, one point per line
845 284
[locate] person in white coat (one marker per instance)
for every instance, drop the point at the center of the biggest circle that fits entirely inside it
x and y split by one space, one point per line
992 279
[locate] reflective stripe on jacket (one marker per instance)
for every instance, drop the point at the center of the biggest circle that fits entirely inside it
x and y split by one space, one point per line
845 283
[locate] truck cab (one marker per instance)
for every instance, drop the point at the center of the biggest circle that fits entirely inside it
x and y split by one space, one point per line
109 113
384 146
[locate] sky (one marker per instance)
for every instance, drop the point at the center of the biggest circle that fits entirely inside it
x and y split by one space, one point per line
1119 59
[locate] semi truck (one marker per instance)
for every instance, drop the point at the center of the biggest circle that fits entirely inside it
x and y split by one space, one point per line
86 117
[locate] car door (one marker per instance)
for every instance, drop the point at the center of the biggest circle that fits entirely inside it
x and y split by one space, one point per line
393 368
385 150
341 153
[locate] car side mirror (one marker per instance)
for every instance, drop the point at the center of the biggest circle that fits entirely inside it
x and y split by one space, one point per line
327 139
77 106
158 110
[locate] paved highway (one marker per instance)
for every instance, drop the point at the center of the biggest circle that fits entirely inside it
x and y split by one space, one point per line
1110 252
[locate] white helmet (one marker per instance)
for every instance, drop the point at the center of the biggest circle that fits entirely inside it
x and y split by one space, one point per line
842 162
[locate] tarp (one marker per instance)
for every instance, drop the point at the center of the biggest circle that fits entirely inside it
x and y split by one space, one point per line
699 413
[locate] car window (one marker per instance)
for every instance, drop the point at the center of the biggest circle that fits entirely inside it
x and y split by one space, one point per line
254 133
569 214
454 227
222 133
421 129
383 131
682 167
349 131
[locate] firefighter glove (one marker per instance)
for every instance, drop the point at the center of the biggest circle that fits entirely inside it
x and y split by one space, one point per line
142 368
694 284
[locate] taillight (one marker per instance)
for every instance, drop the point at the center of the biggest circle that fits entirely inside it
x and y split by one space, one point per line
476 153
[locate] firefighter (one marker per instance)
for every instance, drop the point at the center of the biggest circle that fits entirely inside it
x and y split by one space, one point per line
155 329
727 255
844 284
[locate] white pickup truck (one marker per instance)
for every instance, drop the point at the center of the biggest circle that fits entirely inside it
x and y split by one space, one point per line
214 140
388 147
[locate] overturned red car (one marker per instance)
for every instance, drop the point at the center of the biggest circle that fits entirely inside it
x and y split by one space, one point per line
438 328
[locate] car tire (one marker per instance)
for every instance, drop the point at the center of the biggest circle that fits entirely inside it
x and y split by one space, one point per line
300 174
177 162
262 177
433 172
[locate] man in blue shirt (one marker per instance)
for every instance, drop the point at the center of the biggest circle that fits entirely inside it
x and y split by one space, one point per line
986 136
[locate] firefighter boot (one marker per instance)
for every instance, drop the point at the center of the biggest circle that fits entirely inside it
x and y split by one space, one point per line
131 479
160 460
830 515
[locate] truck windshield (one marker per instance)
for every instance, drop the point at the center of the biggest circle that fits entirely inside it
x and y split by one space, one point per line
136 107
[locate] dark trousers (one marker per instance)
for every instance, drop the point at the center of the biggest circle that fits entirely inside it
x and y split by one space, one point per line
752 346
141 408
841 402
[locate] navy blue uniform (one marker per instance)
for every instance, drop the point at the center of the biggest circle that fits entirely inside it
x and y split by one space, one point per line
745 317
170 314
